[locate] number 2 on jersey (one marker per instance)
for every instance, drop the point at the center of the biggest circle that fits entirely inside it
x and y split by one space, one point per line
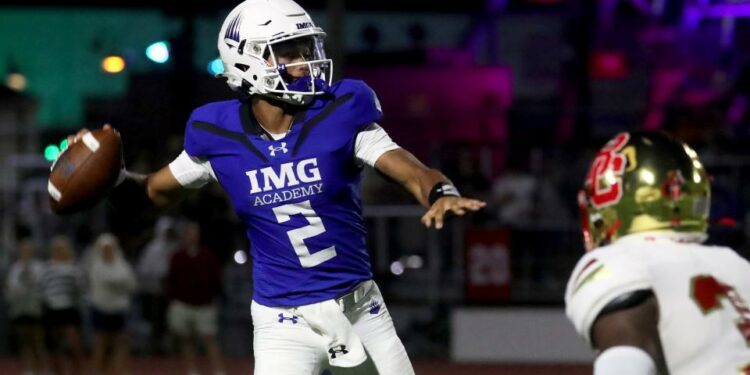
298 236
707 292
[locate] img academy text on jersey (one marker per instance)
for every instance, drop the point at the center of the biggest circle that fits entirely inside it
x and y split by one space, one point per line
301 201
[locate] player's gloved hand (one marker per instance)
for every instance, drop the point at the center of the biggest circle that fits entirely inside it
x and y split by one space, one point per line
450 205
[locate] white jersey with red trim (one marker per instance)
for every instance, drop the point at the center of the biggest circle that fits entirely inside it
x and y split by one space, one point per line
702 293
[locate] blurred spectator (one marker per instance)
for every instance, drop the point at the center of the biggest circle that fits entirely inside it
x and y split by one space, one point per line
112 285
465 173
152 269
62 286
193 286
513 195
23 293
525 196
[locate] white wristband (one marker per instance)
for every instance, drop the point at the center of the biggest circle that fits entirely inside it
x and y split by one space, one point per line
624 360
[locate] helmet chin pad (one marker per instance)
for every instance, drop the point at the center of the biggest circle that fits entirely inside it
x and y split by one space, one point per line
308 84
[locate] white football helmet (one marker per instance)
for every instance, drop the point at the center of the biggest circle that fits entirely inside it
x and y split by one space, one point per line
252 37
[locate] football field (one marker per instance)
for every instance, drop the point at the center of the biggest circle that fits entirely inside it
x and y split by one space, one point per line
169 366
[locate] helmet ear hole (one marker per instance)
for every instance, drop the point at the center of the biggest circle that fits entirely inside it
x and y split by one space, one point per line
242 67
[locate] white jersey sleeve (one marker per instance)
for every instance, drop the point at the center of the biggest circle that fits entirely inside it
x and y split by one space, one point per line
371 143
598 278
192 172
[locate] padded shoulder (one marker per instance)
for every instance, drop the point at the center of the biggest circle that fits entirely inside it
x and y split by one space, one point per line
358 104
601 277
212 118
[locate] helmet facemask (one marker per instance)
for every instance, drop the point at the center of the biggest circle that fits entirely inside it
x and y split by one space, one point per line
260 67
308 74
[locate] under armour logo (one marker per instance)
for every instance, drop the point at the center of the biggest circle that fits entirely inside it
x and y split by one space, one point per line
374 308
334 351
281 148
282 318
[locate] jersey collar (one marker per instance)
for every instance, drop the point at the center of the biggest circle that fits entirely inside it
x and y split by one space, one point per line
251 126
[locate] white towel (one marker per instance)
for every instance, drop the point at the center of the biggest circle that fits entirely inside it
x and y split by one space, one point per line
344 346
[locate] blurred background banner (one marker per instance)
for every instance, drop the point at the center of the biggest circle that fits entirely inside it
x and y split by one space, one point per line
487 266
509 98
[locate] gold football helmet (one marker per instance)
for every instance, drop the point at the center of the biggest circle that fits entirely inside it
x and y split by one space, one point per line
643 181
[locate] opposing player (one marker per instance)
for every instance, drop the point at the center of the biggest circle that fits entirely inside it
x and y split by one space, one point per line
289 156
648 295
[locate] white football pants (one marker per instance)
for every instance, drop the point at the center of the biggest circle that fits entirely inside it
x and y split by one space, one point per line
284 343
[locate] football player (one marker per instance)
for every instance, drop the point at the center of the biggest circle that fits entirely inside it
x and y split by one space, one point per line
648 295
289 156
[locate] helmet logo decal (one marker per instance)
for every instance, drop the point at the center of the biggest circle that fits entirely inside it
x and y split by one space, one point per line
604 179
233 30
672 188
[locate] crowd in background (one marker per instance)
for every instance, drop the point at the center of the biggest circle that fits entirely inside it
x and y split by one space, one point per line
72 299
70 307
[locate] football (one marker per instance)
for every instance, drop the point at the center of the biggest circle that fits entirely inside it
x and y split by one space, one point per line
85 172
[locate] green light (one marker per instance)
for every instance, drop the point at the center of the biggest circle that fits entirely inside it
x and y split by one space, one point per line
51 152
63 145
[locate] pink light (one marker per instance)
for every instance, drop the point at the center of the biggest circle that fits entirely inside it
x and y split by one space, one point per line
609 65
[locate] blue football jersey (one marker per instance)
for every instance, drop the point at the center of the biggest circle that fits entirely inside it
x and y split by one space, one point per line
298 196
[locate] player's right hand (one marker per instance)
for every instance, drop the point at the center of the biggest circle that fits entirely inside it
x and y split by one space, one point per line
450 205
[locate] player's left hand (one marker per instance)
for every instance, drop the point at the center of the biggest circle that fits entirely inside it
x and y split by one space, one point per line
449 204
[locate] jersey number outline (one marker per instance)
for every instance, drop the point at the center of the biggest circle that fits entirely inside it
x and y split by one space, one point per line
707 291
297 236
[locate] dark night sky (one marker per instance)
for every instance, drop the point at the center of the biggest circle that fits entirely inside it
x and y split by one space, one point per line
210 6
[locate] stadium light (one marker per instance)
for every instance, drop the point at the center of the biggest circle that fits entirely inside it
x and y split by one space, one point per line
158 52
240 257
215 67
16 82
113 64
